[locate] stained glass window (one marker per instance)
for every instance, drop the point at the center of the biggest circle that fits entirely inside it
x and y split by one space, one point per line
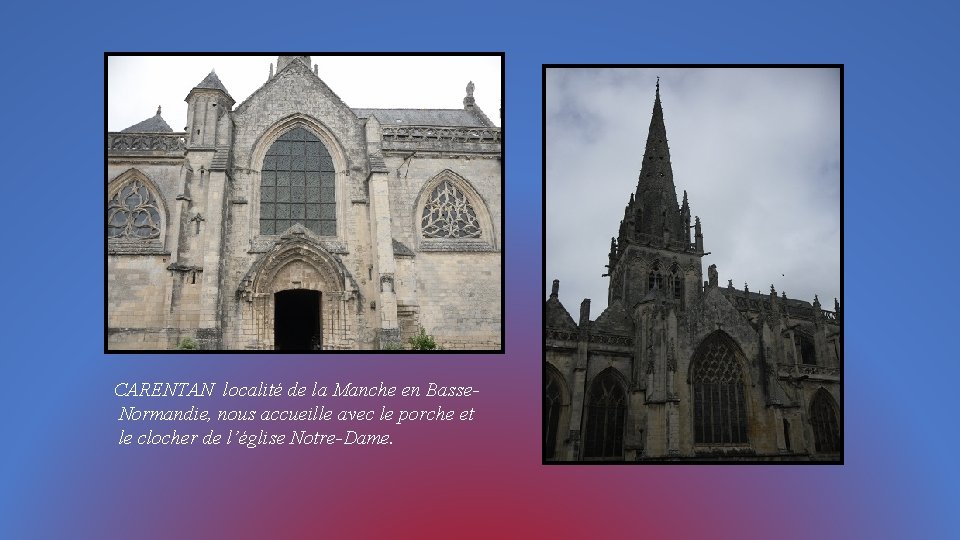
606 415
826 430
133 213
552 405
448 214
720 416
297 185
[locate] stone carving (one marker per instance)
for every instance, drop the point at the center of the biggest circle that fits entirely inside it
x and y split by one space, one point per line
133 213
386 283
146 142
448 214
448 134
608 339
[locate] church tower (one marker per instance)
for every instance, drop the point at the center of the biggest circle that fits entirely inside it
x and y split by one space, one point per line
652 254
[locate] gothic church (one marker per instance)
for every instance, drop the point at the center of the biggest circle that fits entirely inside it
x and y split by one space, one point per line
294 222
682 369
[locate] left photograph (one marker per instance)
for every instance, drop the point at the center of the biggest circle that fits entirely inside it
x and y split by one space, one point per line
304 203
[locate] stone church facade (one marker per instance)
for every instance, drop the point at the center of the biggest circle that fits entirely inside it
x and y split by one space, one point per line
678 368
294 222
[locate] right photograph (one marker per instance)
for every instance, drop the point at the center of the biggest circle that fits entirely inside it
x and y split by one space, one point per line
693 264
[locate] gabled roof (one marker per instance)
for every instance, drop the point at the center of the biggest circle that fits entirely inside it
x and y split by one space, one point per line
423 117
614 320
557 316
154 124
290 69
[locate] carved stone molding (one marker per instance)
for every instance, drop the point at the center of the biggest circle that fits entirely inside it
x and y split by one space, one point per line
139 143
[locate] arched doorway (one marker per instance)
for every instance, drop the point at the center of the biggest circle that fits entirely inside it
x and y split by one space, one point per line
299 297
297 320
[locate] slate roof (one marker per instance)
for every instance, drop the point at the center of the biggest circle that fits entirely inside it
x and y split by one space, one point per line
213 82
790 302
154 124
401 250
557 316
377 164
423 117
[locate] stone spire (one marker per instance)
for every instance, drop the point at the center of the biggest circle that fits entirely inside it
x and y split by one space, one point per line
656 195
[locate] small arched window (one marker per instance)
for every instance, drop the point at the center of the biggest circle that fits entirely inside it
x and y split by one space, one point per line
136 216
552 409
826 429
719 411
606 417
451 216
676 281
133 213
654 278
298 185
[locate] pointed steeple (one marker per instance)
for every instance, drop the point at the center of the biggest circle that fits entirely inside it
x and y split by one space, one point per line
656 193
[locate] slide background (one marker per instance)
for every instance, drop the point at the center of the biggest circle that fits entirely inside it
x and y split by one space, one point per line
63 475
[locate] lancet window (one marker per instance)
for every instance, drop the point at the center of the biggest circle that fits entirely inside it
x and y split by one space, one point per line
826 429
552 407
606 415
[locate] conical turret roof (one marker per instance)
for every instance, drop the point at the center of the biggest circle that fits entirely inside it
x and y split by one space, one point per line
212 82
154 124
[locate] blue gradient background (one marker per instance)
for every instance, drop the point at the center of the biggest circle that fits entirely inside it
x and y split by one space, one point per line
63 475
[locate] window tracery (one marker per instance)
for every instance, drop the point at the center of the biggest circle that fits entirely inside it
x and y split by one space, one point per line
655 278
297 185
718 400
606 415
552 406
449 214
133 213
823 417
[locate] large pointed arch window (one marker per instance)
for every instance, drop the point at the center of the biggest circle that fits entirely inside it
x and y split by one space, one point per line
719 411
298 185
606 416
826 429
553 405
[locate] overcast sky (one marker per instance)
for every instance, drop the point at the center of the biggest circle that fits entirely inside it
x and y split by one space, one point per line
138 84
758 151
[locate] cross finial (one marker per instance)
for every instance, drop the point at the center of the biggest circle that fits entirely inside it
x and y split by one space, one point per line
197 218
158 110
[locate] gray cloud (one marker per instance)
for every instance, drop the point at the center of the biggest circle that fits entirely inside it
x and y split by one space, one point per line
758 151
